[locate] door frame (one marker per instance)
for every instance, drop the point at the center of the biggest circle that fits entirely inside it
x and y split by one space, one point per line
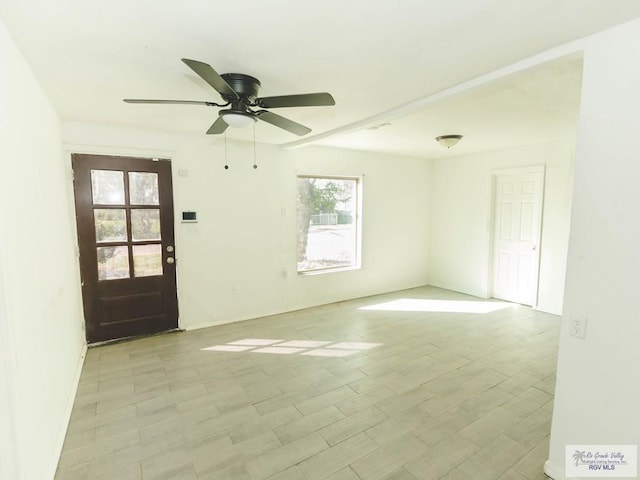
540 169
84 149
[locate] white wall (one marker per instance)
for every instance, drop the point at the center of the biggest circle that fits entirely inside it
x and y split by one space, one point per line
8 434
238 261
40 316
461 227
598 387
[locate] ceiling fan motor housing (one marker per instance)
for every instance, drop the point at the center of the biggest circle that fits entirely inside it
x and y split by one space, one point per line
245 86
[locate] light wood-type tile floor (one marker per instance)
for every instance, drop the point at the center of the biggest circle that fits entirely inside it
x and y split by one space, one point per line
420 384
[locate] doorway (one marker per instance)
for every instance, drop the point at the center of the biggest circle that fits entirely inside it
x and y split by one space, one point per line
124 215
517 196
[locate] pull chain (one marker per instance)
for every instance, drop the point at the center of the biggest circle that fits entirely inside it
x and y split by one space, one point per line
255 165
226 156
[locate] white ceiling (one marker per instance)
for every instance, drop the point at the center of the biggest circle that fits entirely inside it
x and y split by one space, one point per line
373 56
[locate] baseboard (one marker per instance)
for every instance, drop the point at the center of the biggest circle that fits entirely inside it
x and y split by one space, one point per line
553 472
296 308
217 323
133 337
57 451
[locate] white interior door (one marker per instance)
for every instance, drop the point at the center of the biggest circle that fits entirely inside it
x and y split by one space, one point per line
516 245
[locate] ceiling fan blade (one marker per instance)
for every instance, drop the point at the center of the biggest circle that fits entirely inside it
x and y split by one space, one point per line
168 102
219 126
303 100
209 75
284 123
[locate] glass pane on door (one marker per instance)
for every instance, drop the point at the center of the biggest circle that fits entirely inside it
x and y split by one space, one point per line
143 188
111 224
107 187
113 262
145 224
147 260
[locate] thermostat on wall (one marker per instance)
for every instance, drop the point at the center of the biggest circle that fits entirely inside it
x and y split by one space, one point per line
189 217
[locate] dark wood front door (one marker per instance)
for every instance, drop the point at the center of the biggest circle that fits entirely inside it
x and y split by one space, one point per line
124 213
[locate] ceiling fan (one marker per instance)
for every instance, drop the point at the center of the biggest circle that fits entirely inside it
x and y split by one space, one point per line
240 91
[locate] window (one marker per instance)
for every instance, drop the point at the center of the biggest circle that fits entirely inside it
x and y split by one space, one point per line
327 223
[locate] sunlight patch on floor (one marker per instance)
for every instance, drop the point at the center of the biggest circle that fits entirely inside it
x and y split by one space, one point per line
279 350
446 306
304 344
319 348
228 348
256 342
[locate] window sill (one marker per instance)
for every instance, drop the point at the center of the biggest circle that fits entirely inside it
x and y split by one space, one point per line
307 273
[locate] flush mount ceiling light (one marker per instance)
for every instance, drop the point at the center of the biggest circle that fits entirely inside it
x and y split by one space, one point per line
237 119
448 141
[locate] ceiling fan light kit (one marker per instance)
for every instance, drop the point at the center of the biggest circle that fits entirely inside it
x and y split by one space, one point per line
237 119
240 93
448 141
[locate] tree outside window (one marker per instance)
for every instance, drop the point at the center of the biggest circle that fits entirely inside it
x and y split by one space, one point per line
327 226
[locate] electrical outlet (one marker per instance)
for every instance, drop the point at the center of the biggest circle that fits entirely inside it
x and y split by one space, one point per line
578 327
